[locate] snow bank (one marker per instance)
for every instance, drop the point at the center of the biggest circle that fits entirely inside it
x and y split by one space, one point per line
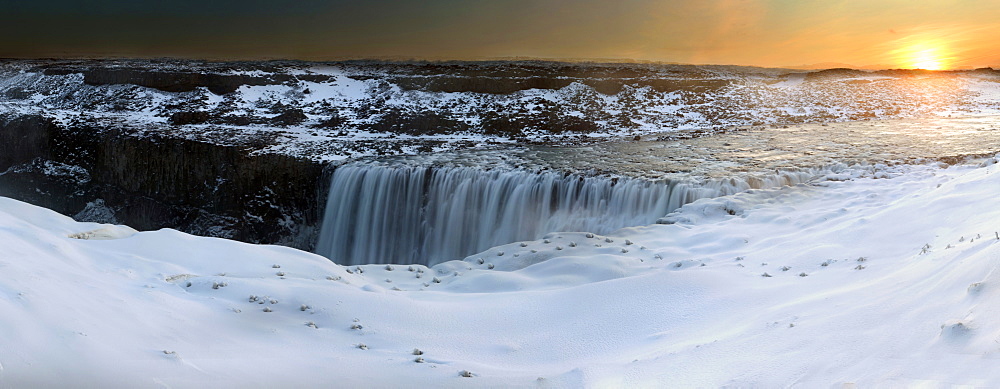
870 281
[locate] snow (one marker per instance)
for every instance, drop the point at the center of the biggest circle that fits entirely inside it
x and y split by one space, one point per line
871 281
359 95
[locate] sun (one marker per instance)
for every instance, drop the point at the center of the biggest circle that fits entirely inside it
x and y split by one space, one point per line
927 59
924 56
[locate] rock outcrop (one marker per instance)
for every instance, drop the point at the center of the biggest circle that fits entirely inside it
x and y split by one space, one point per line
107 172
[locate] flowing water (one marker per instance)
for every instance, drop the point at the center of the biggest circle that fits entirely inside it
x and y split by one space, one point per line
434 208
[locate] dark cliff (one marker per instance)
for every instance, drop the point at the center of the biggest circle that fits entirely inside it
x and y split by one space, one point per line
176 78
104 172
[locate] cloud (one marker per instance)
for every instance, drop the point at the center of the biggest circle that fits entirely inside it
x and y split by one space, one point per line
752 32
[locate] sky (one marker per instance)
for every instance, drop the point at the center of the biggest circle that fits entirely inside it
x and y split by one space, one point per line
772 33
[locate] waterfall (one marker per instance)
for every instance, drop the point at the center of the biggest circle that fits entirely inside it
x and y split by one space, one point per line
410 214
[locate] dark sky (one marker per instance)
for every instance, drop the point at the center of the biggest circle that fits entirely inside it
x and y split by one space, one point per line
301 29
943 33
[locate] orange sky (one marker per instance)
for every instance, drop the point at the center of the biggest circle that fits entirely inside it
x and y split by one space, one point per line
928 34
880 33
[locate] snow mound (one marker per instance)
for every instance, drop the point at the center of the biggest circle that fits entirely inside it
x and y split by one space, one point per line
866 281
105 233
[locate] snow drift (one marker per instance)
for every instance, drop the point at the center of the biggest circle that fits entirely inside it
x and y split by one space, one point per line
860 281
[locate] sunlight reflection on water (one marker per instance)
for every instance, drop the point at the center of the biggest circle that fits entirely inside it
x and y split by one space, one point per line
746 150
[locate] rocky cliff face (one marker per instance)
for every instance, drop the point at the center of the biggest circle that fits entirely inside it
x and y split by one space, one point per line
104 172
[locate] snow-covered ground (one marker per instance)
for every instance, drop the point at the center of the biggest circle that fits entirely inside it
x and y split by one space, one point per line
337 111
884 279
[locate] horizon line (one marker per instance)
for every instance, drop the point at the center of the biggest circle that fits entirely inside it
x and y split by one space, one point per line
412 59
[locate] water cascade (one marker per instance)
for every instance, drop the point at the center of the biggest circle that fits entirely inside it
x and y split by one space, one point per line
410 214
